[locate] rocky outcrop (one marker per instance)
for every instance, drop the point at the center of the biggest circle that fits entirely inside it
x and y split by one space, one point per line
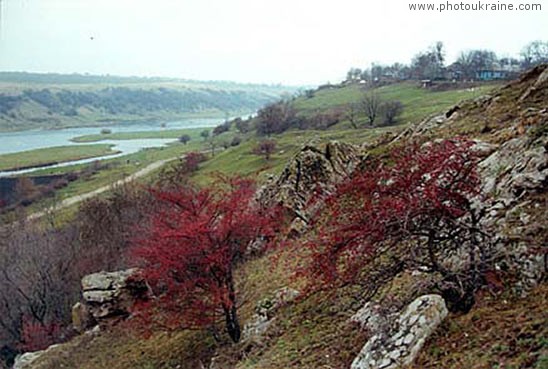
423 126
398 344
108 297
540 84
515 178
311 174
265 310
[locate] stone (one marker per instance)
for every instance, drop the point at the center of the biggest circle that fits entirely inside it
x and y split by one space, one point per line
415 324
25 360
540 83
312 174
372 317
265 310
81 318
108 296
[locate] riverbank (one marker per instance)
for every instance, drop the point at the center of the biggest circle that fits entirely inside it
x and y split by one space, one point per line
53 155
193 133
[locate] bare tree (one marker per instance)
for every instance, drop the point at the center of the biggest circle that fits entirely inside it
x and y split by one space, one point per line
352 114
391 110
371 104
535 53
473 61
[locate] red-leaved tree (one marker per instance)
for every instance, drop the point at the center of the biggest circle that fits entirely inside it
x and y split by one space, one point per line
265 148
413 211
190 252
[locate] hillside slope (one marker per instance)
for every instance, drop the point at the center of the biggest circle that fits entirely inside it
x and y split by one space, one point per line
29 101
506 327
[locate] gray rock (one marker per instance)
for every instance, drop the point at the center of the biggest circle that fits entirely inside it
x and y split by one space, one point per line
25 360
265 311
108 296
415 324
372 317
311 174
81 318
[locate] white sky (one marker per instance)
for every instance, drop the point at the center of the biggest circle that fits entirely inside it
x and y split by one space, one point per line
274 41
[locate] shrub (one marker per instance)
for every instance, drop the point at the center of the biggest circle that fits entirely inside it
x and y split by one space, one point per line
221 128
391 111
38 336
236 141
411 214
265 148
190 252
184 139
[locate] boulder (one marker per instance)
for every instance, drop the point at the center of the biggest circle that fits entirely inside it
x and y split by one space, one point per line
400 345
25 360
82 319
108 296
423 126
373 317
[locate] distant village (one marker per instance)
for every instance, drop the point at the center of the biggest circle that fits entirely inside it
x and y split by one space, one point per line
429 66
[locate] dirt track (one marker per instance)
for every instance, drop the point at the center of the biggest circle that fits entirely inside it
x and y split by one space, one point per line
79 198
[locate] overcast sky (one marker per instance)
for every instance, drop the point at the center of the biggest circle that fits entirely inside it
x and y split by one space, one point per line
274 41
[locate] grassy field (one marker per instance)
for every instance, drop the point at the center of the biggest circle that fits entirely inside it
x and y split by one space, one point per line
418 102
52 155
194 134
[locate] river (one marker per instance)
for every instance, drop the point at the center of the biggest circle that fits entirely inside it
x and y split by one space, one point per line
13 142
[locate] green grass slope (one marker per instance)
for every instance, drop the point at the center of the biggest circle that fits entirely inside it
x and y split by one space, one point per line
48 101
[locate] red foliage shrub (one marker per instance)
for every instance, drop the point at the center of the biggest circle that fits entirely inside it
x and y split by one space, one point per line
193 159
37 336
265 148
190 252
422 201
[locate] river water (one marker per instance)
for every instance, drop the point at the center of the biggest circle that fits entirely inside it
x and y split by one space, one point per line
13 142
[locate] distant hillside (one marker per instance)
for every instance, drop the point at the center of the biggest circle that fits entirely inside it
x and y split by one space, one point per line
48 101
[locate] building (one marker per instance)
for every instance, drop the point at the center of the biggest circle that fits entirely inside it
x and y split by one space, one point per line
490 74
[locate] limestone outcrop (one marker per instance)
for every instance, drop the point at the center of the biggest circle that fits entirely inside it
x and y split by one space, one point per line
108 297
312 173
398 344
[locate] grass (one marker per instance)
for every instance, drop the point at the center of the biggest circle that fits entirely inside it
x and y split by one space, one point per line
53 155
499 333
174 133
241 161
418 102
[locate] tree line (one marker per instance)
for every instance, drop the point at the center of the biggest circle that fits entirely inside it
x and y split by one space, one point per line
432 64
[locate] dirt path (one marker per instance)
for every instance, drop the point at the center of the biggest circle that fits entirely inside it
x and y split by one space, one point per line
79 198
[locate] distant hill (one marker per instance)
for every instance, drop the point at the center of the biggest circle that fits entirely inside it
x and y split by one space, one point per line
49 101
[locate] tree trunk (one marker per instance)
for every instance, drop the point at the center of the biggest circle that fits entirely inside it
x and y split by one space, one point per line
231 315
232 323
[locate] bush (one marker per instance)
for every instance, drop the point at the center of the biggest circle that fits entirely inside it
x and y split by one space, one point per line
190 252
221 128
236 141
391 111
411 214
184 139
265 148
